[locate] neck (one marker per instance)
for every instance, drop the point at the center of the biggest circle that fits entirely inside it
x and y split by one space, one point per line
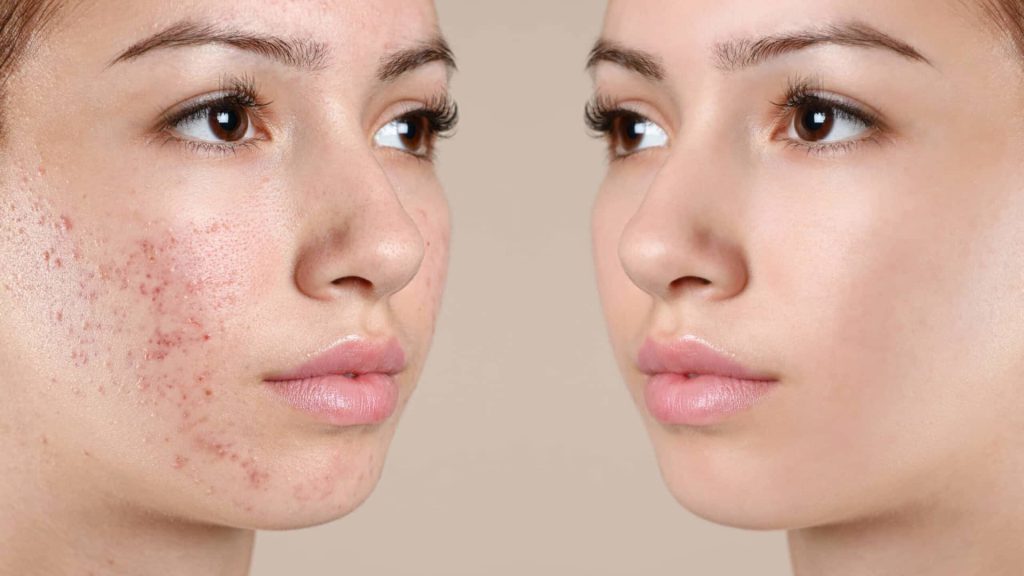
51 526
952 535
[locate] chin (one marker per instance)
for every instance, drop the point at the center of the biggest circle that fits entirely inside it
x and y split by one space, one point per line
726 487
305 488
287 514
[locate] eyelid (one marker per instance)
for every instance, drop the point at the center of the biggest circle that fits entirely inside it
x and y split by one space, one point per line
602 110
804 91
441 112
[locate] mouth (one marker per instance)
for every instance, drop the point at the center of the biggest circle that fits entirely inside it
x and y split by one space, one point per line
349 384
690 383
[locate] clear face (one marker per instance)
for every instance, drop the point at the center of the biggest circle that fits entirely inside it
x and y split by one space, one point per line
186 227
823 201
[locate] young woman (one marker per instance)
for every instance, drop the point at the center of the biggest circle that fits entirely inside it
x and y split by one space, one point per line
808 245
223 250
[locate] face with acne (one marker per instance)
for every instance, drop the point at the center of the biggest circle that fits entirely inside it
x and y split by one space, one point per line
179 225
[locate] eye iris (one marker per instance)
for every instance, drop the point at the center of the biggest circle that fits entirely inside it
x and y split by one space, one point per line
815 123
630 131
413 132
229 123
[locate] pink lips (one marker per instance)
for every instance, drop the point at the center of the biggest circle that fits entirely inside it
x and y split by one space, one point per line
350 384
691 384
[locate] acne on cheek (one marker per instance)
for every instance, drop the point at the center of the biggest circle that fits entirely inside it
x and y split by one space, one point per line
434 268
146 326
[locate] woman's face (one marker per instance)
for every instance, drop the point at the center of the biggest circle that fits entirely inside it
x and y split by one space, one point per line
829 194
170 269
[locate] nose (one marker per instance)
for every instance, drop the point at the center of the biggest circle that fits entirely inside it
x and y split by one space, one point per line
357 235
683 241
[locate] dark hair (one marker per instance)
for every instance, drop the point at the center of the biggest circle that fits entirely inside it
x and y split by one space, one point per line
1008 15
20 21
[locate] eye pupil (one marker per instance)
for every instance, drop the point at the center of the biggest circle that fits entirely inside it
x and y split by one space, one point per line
629 131
229 123
815 123
413 132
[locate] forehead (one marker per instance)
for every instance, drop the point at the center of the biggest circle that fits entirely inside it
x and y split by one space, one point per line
684 28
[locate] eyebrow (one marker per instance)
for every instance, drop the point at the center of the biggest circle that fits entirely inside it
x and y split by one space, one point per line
739 54
298 53
303 54
395 65
643 63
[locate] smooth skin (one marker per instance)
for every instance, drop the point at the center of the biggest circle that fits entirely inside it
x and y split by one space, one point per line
879 279
151 284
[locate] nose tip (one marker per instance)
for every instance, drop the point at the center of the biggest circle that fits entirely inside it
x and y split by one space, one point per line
672 255
374 251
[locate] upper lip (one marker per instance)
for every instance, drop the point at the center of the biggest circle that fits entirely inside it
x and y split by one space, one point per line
692 356
351 357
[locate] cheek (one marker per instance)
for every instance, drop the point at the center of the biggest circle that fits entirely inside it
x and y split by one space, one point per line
420 301
139 334
625 305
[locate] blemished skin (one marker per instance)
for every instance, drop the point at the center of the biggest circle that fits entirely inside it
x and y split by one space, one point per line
875 272
153 280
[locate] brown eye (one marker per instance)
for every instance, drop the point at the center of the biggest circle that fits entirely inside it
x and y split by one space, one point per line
413 134
228 122
220 123
820 122
814 122
627 133
631 133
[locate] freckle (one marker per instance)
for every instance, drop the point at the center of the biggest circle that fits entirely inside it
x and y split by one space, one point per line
87 453
46 440
208 392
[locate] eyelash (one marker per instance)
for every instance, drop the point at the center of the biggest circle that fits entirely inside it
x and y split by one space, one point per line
442 116
806 93
601 114
440 112
236 91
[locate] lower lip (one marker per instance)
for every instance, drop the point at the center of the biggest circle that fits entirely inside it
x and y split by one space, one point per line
341 401
702 401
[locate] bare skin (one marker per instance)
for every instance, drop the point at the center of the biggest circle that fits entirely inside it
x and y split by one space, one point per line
156 275
872 267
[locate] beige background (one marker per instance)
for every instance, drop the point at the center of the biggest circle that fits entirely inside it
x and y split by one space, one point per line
521 452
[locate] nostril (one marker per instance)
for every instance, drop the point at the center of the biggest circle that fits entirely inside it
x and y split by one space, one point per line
354 281
689 282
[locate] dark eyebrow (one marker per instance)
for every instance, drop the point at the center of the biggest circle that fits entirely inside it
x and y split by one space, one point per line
643 63
738 54
299 53
404 61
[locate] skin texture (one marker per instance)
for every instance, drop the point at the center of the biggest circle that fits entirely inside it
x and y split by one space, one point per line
881 283
149 288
